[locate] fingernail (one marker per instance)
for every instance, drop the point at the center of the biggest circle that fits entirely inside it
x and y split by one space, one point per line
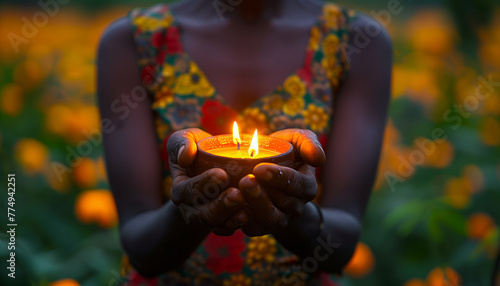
267 176
254 192
181 150
229 203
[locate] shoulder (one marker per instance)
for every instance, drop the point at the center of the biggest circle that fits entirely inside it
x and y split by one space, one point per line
355 24
368 54
116 36
365 31
367 44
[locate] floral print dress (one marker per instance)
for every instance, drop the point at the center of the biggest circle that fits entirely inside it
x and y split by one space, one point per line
183 97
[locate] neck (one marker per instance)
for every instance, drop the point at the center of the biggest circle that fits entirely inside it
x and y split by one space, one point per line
252 11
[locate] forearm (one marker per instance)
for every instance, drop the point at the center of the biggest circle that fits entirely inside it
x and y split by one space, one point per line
332 247
160 240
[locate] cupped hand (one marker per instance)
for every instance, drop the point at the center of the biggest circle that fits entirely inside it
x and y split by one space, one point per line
203 198
276 194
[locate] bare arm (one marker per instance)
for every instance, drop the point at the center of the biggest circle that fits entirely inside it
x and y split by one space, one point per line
352 155
151 231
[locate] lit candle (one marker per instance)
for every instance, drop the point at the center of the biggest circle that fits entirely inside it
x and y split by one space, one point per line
236 135
238 153
253 148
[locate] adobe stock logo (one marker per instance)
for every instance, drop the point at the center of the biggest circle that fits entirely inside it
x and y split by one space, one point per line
39 19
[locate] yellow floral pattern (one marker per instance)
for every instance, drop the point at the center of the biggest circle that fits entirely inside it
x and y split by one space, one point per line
294 86
194 82
316 118
238 280
184 97
261 248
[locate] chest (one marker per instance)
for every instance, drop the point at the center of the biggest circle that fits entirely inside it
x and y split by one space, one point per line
245 62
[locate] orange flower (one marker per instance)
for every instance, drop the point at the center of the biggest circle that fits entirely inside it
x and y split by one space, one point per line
31 154
479 225
73 122
457 192
440 277
415 282
57 117
362 261
85 174
490 131
84 119
96 206
60 181
492 104
11 99
29 74
431 32
442 155
65 282
422 87
474 176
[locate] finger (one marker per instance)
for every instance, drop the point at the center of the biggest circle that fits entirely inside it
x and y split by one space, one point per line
222 230
181 146
261 208
292 206
252 229
202 188
292 182
222 208
305 143
237 220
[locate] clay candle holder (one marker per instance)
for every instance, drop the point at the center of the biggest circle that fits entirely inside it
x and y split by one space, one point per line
222 152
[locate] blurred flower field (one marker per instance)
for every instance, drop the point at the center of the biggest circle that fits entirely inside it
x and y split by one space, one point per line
433 217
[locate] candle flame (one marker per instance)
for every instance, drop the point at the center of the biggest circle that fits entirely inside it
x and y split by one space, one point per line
254 146
236 135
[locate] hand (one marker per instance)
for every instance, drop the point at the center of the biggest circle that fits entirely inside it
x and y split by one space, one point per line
276 194
202 198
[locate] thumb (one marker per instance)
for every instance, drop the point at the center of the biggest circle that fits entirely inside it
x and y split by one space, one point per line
181 146
305 143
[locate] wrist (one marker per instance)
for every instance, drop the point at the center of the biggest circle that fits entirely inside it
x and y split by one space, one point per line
301 231
186 218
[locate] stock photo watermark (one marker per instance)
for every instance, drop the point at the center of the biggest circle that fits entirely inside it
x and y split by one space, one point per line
122 107
39 19
11 225
455 116
309 265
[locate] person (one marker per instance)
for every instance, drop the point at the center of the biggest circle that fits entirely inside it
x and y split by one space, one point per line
313 73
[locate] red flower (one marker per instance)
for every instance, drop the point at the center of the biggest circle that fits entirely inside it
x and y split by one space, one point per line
224 252
216 117
159 41
148 75
305 72
174 45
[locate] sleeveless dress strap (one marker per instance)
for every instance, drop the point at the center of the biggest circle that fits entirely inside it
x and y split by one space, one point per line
155 38
331 44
